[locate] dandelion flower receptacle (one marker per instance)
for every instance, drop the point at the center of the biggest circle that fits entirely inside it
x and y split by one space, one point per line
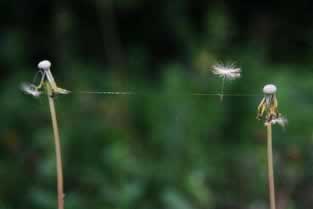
45 64
226 72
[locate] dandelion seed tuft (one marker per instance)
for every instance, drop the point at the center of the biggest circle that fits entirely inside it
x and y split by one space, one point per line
45 65
229 72
31 89
282 121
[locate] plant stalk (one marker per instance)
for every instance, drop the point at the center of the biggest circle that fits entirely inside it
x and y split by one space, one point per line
222 89
57 148
271 183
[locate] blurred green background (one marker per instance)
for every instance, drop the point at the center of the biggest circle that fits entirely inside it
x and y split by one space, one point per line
162 148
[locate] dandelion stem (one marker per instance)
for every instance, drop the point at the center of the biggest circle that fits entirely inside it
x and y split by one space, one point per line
222 89
57 148
271 183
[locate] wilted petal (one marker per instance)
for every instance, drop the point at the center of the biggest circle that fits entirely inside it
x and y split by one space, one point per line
62 91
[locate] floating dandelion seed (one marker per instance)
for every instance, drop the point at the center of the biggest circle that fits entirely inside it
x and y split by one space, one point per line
228 72
31 89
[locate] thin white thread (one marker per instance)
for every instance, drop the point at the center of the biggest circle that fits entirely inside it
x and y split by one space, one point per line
227 95
192 94
36 75
108 92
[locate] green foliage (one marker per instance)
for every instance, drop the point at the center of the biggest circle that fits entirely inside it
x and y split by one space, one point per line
162 147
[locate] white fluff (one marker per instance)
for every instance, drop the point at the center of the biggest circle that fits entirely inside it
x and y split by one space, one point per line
282 121
269 89
45 65
229 72
31 89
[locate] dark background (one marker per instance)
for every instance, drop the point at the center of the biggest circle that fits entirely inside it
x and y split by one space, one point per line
162 148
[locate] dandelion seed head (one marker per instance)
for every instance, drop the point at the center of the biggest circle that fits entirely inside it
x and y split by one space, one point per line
269 89
45 65
30 89
229 72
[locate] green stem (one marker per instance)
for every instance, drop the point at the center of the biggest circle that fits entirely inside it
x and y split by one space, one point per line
222 89
57 148
271 183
